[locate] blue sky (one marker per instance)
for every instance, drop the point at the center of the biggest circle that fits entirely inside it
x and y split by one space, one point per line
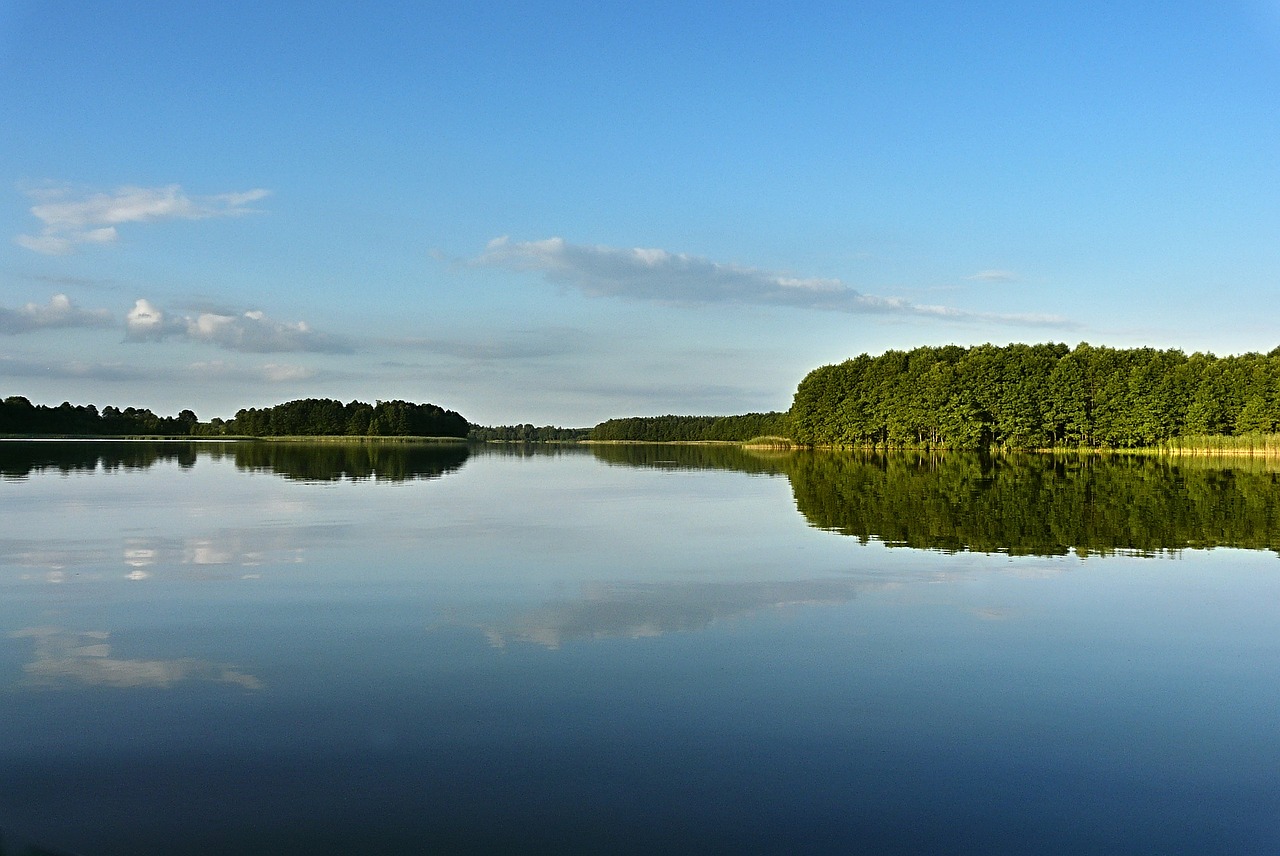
565 212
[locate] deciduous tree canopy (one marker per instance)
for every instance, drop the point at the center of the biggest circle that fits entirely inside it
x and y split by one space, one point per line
311 417
1035 396
323 417
665 429
20 416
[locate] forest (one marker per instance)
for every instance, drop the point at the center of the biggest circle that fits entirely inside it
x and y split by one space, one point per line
310 417
325 417
667 429
1035 397
526 433
19 416
1044 396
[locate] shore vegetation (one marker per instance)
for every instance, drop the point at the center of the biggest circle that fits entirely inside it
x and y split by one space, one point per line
1044 396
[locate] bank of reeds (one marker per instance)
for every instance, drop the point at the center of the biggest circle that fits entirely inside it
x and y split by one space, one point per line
1216 445
770 441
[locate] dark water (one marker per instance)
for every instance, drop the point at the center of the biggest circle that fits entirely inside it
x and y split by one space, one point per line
378 649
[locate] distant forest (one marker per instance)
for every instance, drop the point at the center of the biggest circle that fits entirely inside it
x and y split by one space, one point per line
666 429
20 416
526 434
1036 396
311 417
984 397
327 417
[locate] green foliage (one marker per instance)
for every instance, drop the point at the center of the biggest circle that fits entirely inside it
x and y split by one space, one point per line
669 429
1035 397
310 417
19 416
526 434
325 417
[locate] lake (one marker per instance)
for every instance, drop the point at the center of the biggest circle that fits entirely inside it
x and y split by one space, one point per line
298 649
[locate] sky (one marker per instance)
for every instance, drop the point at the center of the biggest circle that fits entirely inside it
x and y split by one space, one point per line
563 212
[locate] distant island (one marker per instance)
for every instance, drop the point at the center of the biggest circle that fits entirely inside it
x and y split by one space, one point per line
310 417
1016 397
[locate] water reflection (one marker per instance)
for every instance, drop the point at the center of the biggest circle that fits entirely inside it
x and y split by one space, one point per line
1019 504
19 459
696 457
62 657
636 611
1016 504
304 461
222 554
395 462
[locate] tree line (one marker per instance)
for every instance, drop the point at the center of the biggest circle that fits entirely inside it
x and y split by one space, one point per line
526 433
19 416
666 429
311 417
329 417
1035 396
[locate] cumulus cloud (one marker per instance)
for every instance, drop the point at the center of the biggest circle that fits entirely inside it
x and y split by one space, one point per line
72 219
662 276
994 276
60 312
248 332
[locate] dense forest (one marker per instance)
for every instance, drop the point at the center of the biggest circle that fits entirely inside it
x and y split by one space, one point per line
310 417
322 417
526 434
666 429
20 416
1036 396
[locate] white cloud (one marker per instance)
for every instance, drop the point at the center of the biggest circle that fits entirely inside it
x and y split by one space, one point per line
513 345
658 275
70 370
248 332
994 276
60 312
147 322
71 220
281 373
66 657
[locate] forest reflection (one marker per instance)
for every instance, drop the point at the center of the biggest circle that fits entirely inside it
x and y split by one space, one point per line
1047 505
302 461
1019 504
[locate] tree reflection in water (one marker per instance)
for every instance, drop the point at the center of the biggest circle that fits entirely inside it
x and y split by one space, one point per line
1025 504
303 461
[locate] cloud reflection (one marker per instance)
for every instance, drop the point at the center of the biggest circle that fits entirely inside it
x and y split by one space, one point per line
194 556
62 657
640 610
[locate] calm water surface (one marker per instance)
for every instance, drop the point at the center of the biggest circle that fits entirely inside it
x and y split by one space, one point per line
293 649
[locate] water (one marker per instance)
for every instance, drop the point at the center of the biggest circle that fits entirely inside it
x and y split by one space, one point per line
296 649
